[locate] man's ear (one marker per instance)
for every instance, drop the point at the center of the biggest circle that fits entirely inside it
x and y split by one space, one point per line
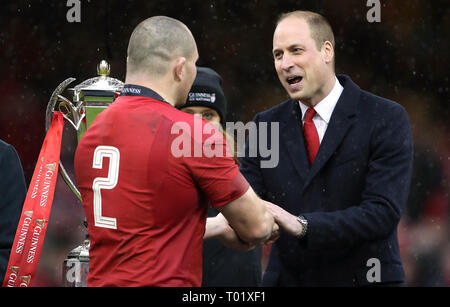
328 51
178 71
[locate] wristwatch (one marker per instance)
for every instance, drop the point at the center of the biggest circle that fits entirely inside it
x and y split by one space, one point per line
304 223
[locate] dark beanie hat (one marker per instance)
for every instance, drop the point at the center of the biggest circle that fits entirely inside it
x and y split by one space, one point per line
207 92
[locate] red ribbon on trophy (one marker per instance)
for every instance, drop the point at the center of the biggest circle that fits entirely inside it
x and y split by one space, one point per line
30 233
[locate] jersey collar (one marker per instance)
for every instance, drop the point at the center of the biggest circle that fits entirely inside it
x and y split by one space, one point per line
137 90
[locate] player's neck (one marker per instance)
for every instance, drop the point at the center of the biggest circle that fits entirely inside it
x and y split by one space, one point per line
159 86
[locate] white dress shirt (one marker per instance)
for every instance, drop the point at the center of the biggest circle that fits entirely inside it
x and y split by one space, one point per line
324 109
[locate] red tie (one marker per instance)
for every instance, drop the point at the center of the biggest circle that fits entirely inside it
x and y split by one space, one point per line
311 135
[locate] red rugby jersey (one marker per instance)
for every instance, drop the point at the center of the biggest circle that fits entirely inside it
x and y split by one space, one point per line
146 206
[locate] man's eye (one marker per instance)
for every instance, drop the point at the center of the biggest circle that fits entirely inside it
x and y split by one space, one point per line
297 50
277 55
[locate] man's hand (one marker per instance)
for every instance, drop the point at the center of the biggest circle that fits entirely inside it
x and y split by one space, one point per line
285 220
230 239
275 233
218 227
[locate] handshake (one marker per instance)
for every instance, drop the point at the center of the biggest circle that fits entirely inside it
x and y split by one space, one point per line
275 219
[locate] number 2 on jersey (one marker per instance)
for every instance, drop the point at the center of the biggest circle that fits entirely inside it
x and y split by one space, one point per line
105 183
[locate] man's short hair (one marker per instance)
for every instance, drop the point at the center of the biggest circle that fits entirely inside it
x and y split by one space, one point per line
319 26
155 42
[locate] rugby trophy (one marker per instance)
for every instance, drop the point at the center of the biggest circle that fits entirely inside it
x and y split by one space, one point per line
90 98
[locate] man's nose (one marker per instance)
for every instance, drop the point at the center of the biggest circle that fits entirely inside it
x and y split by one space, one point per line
286 62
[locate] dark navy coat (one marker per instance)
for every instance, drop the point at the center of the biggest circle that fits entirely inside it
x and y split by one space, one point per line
12 195
352 196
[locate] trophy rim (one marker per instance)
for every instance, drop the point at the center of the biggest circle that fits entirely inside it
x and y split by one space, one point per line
113 85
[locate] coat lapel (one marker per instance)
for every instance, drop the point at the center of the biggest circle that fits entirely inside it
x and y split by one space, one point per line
292 138
341 120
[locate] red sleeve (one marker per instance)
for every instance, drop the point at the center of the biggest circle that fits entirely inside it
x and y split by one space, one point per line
215 171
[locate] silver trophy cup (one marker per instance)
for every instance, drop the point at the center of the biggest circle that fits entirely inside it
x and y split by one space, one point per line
90 97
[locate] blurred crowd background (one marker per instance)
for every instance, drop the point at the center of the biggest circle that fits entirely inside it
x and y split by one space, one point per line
404 58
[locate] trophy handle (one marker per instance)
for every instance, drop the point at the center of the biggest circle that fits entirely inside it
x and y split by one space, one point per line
48 118
53 100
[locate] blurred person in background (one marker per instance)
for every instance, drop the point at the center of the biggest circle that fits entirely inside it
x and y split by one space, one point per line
12 195
424 229
222 266
344 173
